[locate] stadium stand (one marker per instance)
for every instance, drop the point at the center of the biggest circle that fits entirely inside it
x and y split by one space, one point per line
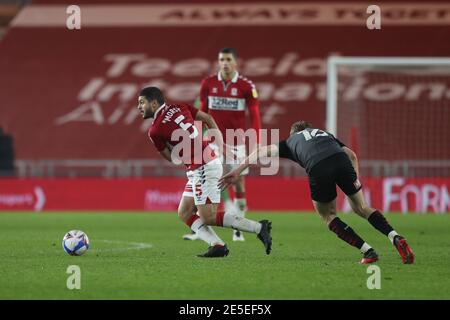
69 96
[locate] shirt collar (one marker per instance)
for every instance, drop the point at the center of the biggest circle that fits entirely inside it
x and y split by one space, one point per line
158 110
234 80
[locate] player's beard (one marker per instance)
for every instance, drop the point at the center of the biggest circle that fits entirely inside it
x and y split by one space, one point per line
148 114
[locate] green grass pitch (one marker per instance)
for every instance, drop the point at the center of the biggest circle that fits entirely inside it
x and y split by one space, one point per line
142 256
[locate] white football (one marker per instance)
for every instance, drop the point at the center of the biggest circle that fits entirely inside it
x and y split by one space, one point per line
75 242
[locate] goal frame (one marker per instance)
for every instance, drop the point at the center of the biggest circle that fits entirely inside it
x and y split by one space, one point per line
332 77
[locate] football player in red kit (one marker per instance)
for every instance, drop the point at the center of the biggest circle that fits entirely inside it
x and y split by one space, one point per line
177 138
227 96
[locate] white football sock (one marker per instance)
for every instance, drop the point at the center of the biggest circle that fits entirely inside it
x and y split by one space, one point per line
241 206
240 223
206 233
392 235
365 247
229 206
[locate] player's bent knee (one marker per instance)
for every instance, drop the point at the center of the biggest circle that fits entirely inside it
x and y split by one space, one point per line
184 214
207 214
209 220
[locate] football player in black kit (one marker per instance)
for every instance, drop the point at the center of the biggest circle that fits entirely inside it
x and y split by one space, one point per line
328 162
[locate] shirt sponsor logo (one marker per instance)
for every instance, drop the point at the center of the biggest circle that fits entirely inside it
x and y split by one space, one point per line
222 103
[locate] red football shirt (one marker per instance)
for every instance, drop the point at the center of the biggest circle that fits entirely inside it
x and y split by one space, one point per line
170 118
227 102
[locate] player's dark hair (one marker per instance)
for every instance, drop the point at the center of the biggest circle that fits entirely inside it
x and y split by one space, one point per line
152 93
229 50
300 125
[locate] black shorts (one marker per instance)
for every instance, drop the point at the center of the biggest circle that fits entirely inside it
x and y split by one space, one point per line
332 171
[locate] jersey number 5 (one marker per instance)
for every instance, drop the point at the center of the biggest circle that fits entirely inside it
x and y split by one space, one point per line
187 126
314 133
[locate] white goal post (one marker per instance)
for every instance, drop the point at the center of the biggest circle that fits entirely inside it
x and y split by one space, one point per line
395 111
332 76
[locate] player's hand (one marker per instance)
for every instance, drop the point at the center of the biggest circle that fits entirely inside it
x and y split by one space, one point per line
230 178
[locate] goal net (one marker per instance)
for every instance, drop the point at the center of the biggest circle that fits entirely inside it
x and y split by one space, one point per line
394 112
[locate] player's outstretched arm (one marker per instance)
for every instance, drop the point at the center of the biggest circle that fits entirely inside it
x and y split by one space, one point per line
353 158
258 153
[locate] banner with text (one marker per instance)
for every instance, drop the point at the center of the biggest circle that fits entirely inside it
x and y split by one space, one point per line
66 92
397 194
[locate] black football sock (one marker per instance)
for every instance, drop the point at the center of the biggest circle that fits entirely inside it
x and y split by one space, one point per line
379 222
346 233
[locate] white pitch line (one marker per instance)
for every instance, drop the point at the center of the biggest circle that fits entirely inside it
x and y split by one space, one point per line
129 245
